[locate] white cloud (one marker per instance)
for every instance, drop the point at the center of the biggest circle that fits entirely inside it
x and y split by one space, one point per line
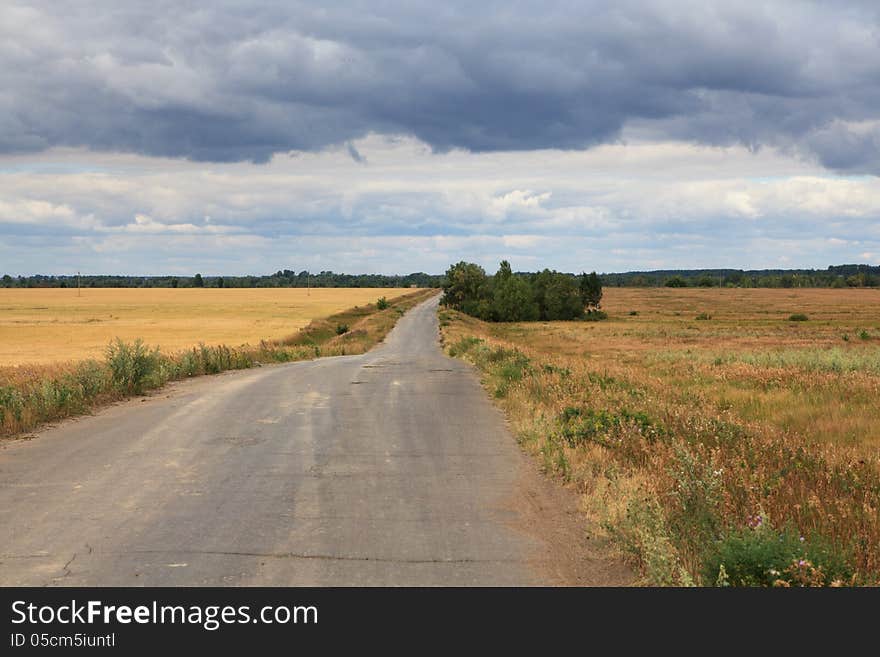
618 206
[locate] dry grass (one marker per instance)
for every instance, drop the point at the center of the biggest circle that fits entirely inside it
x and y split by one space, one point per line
51 325
691 429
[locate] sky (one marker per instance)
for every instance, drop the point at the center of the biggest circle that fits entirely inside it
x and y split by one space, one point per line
241 137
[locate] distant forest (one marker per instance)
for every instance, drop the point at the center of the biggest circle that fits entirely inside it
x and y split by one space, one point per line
836 276
281 278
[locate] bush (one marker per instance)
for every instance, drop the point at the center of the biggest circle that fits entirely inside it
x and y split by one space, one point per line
762 556
133 367
463 346
381 304
644 538
581 425
342 328
864 335
703 316
798 317
595 316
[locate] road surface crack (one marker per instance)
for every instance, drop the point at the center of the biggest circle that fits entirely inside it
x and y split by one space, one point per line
319 557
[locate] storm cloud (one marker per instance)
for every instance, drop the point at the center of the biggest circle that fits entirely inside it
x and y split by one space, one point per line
236 81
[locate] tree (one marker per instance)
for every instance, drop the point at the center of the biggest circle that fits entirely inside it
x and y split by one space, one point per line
220 282
465 286
174 282
197 281
676 281
512 299
557 295
590 291
7 280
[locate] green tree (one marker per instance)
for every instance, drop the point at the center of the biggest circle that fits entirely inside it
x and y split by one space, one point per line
590 290
513 300
465 286
7 280
676 281
557 295
197 281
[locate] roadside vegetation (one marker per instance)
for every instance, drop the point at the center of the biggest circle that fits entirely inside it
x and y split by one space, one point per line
738 451
31 395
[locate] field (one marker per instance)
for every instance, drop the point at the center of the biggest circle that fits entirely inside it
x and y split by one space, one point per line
50 325
34 393
817 379
701 423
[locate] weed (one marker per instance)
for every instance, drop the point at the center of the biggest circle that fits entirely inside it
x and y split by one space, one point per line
763 556
133 366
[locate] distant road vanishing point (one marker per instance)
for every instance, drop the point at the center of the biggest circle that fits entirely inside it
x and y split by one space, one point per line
387 468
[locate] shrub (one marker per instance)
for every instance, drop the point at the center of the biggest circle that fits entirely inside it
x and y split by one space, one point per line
762 556
132 366
864 335
798 317
644 538
463 346
580 425
341 328
703 316
595 316
633 313
381 304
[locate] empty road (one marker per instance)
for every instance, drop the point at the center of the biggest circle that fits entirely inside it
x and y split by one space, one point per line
388 468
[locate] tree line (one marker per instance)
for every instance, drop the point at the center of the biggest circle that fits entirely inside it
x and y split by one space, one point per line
281 278
521 297
835 276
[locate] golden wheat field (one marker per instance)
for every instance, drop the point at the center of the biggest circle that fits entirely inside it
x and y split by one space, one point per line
54 324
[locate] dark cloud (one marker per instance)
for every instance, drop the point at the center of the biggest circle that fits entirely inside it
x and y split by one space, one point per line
233 81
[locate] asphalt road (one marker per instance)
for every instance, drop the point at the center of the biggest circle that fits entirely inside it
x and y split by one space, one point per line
388 468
